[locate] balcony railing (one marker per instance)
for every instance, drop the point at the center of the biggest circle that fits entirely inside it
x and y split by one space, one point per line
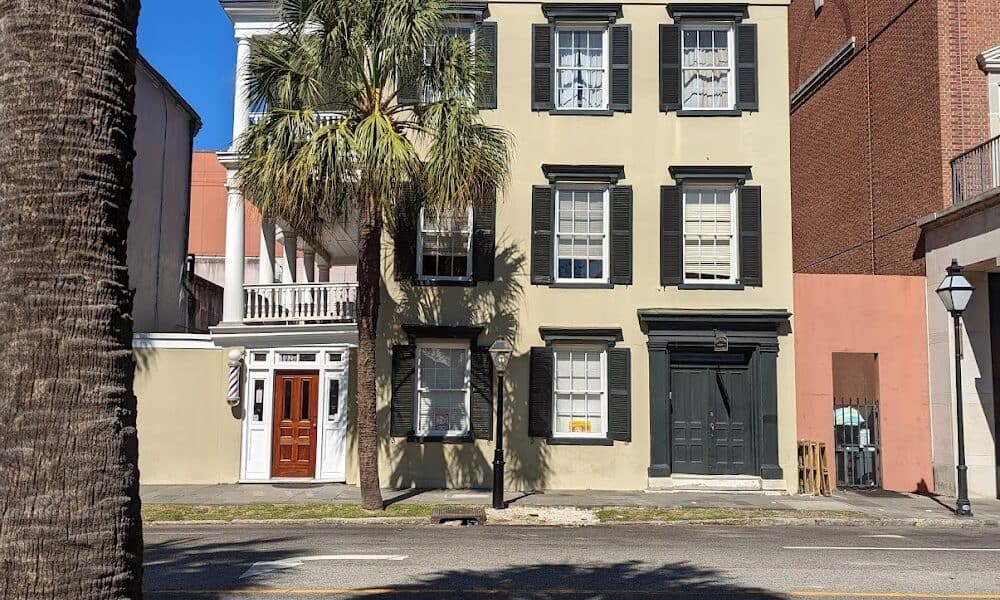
300 303
324 118
975 171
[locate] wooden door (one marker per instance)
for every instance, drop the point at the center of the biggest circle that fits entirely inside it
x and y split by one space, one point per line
293 446
709 420
689 394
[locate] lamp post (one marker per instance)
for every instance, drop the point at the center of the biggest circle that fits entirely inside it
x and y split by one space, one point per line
955 292
500 353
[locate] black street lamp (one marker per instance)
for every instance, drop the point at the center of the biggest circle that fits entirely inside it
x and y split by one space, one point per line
955 292
500 352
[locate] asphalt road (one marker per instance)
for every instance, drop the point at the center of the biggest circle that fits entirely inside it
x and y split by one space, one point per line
443 562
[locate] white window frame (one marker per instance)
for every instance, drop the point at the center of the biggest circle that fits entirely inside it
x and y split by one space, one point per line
603 350
734 251
605 233
420 253
421 346
606 67
730 28
426 95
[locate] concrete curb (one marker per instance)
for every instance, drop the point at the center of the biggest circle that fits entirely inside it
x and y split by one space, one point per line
744 522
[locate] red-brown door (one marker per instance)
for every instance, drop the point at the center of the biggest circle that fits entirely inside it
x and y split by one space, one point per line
296 398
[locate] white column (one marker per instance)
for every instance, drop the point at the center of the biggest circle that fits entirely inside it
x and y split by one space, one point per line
266 268
290 245
241 102
232 295
309 264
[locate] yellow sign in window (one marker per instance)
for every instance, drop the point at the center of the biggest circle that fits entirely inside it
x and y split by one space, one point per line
579 426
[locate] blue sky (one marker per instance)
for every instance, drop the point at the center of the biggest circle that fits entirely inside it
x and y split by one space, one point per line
191 43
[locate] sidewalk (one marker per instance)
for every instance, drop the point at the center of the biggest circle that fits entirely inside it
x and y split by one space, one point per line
876 504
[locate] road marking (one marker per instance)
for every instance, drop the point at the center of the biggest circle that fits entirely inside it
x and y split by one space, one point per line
558 592
266 566
886 535
891 548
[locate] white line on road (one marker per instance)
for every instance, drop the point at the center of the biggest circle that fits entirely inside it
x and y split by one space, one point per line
267 566
886 535
898 548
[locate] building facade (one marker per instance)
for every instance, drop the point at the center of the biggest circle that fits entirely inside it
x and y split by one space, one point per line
639 263
893 107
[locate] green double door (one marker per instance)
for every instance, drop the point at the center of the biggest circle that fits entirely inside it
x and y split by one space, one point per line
710 425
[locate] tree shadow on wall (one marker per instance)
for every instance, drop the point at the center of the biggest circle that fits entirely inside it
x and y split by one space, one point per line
495 306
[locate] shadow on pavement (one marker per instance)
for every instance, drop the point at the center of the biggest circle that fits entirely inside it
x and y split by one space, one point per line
198 568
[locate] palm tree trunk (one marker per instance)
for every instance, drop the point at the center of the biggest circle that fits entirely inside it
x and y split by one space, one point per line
69 481
369 288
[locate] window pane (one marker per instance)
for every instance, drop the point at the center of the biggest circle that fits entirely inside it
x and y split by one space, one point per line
286 408
579 397
580 68
708 234
258 400
580 234
305 399
445 240
333 404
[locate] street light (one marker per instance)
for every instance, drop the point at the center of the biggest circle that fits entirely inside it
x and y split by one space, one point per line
500 352
955 292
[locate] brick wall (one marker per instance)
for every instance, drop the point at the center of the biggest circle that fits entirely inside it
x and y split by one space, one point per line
866 146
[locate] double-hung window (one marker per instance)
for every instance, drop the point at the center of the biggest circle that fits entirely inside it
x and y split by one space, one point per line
581 234
457 30
442 390
444 245
710 240
580 392
581 71
707 67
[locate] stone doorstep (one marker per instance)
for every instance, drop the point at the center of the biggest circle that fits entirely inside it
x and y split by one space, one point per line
717 483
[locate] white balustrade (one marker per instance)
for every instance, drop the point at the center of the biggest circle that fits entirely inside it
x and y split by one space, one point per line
300 302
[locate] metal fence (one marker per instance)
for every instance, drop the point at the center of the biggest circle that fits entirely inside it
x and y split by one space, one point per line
857 435
975 171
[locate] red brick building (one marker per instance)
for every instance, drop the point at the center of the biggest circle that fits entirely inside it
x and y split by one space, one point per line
885 94
895 150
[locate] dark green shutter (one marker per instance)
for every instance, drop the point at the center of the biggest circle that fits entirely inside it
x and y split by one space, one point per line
404 375
670 67
542 216
746 67
620 78
751 260
671 236
406 226
481 403
540 393
541 71
486 46
408 82
484 216
620 394
621 235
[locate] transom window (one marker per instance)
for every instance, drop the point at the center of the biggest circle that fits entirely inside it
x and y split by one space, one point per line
581 68
707 67
580 393
461 31
444 249
710 234
581 234
442 390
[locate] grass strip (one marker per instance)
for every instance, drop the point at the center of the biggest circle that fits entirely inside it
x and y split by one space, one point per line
627 515
264 512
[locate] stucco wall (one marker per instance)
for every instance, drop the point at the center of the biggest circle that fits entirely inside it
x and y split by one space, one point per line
187 432
646 142
877 314
158 218
975 242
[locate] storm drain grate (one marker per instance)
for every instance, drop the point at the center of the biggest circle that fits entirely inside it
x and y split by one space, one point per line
466 516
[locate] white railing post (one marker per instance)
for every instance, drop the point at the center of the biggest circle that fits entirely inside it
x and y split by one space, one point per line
300 303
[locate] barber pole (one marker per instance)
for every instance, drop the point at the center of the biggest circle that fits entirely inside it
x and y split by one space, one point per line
233 394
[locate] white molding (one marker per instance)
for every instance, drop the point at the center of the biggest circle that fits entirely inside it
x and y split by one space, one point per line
191 341
278 335
989 60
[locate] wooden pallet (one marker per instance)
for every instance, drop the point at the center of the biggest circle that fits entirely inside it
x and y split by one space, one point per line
814 475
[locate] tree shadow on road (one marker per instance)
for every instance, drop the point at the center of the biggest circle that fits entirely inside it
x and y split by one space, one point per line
195 567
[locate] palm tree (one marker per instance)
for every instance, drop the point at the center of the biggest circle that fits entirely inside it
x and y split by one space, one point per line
69 482
360 167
